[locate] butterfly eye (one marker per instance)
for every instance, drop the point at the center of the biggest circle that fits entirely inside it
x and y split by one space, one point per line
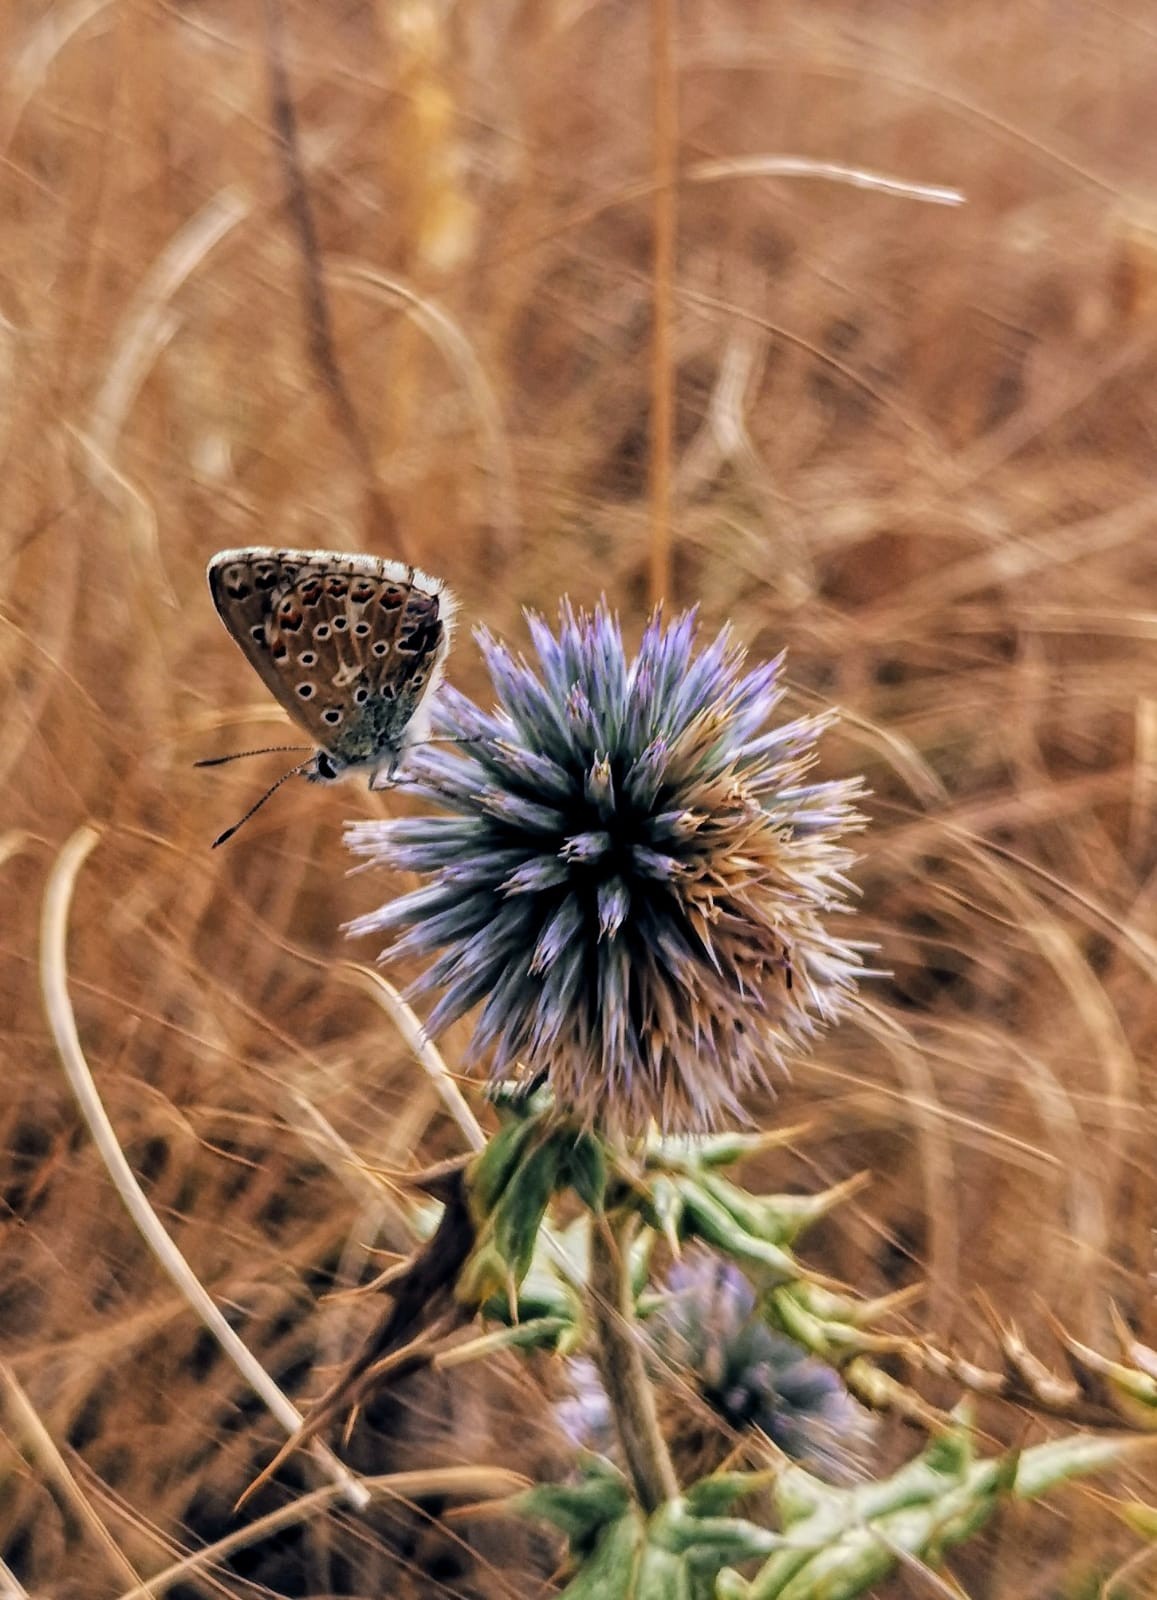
305 692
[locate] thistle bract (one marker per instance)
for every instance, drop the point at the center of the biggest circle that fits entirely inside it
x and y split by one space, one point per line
629 874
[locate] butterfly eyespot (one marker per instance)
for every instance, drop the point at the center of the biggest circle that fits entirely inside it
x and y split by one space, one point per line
307 658
337 587
305 692
418 678
361 629
361 695
380 647
388 691
340 624
291 620
237 591
280 650
391 597
321 631
265 576
362 591
258 633
332 716
310 592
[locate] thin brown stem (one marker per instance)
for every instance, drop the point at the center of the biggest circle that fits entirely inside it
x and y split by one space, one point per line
620 1359
666 128
318 319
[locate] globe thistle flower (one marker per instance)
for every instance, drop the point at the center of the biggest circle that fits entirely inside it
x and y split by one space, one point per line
724 1379
630 872
717 1349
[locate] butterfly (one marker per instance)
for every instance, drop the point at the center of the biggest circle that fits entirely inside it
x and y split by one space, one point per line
352 646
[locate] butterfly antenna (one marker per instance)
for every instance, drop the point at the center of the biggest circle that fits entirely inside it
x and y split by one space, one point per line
269 750
222 838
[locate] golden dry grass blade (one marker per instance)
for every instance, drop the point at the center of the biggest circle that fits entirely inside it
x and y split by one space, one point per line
488 1482
665 111
456 350
10 1586
54 985
35 1443
418 1041
823 171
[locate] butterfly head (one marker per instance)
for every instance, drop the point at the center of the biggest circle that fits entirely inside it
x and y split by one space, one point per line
326 767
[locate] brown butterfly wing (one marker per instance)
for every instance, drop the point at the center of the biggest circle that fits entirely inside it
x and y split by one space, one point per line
346 644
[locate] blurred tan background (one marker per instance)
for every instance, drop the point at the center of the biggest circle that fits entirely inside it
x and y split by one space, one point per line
913 443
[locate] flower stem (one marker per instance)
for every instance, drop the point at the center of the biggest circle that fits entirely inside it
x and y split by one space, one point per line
620 1359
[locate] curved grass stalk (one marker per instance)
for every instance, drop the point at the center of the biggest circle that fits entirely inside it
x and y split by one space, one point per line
492 1482
408 1025
58 1006
28 1433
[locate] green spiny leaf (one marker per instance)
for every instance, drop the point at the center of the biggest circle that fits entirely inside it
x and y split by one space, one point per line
584 1168
492 1170
777 1218
706 1218
709 1541
578 1510
611 1570
714 1495
485 1273
518 1215
661 1576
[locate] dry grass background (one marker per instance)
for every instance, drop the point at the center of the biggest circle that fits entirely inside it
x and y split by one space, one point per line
913 444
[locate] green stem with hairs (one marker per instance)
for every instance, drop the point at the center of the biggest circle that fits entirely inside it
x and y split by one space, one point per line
620 1360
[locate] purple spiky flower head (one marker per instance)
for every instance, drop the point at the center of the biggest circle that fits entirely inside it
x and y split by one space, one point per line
709 1334
629 874
723 1378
